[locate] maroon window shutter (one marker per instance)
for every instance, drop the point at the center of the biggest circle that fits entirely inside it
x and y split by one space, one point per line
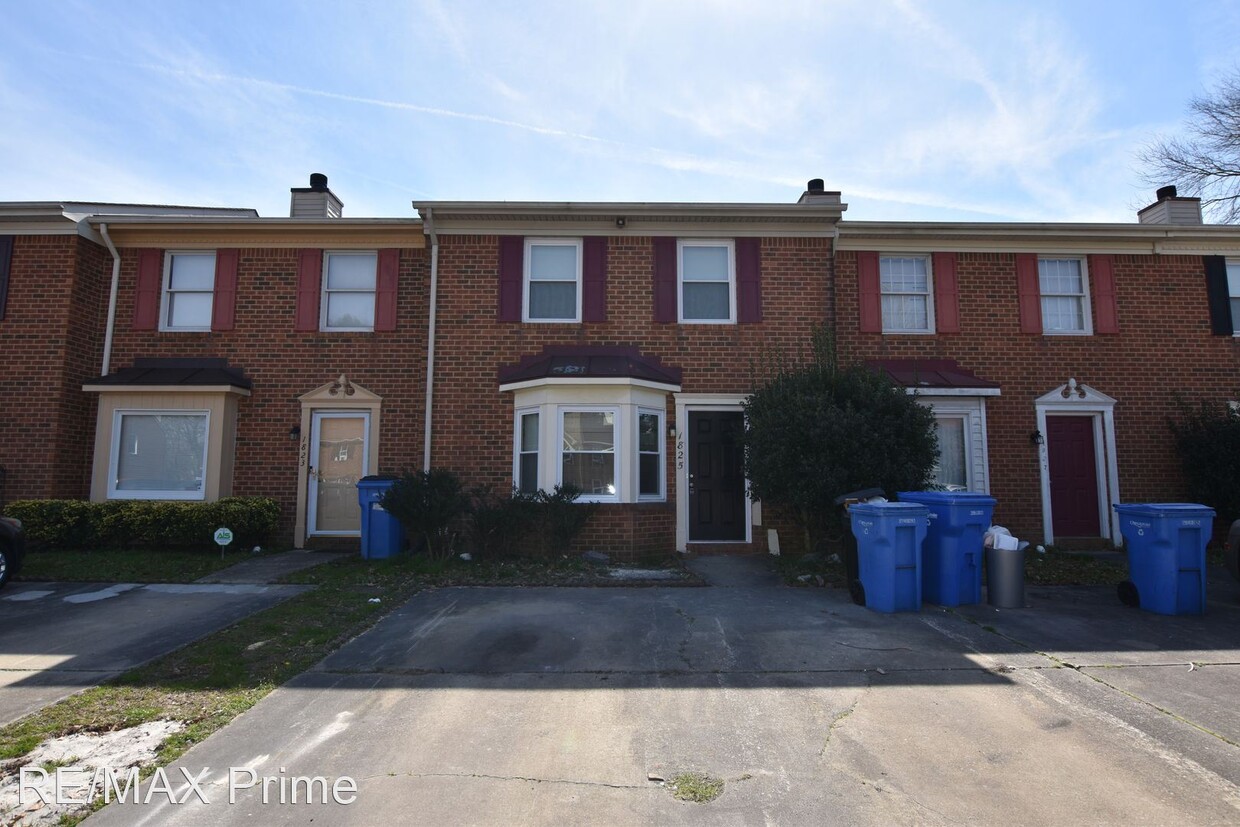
664 279
1106 309
224 303
511 263
309 284
594 279
385 289
6 266
749 280
869 292
146 297
1029 293
946 294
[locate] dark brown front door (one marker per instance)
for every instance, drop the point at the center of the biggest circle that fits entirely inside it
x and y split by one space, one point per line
716 476
1074 476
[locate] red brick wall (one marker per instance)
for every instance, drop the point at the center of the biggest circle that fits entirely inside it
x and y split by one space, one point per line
1164 346
473 421
50 343
284 365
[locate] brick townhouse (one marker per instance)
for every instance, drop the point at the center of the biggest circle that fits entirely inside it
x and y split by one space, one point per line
607 345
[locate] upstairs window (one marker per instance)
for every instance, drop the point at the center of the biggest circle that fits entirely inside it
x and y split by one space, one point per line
1064 290
906 294
707 282
553 280
348 292
1233 291
189 291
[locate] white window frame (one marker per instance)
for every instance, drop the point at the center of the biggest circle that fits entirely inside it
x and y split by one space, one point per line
1233 293
661 430
1087 314
526 279
324 292
616 448
114 454
929 329
165 292
966 424
728 244
517 453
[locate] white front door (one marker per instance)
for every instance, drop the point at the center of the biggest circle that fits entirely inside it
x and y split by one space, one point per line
339 457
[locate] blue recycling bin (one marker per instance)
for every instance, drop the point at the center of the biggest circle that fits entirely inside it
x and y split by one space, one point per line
1166 556
889 540
382 534
951 559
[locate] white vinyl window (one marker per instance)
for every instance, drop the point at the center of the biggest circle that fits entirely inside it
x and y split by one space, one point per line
158 455
1233 290
525 469
707 273
552 280
189 291
650 449
588 452
1064 285
348 291
907 294
952 470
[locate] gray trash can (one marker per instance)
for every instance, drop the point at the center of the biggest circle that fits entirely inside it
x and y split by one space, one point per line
1005 578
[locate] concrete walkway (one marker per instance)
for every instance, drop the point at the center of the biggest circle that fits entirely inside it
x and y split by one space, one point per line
735 571
555 706
271 568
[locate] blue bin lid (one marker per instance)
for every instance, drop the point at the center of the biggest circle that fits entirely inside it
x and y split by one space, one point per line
889 509
946 497
1164 509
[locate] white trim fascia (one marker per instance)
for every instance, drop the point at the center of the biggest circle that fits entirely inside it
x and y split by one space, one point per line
1031 237
932 392
586 380
233 389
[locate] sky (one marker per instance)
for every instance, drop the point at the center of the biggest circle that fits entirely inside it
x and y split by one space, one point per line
944 110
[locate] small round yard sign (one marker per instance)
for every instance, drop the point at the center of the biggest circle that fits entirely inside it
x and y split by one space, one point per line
223 536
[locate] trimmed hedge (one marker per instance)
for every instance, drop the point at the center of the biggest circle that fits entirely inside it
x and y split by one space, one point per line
145 523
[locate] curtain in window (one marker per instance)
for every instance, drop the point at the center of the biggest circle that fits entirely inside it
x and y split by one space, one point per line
952 454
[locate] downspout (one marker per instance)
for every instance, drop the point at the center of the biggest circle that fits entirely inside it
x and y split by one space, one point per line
116 280
428 224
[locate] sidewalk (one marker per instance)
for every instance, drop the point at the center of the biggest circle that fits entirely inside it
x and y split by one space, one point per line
271 568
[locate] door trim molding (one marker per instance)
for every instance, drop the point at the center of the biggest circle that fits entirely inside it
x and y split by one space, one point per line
686 402
1071 399
340 396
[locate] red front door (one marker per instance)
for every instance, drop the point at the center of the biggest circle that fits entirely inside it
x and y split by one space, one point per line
1074 476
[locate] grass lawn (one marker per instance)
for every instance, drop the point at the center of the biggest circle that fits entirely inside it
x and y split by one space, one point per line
127 565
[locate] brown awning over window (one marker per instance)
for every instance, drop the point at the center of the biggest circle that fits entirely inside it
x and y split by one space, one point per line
589 362
174 372
931 374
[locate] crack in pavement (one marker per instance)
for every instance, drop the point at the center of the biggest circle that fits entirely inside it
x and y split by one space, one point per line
522 778
839 719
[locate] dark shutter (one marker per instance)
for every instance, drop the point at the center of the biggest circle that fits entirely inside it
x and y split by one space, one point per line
946 294
511 263
386 280
309 287
594 279
6 267
224 302
1106 309
749 280
146 296
869 292
1218 296
1028 293
664 279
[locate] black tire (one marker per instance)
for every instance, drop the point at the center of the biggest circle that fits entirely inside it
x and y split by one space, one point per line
857 591
1128 595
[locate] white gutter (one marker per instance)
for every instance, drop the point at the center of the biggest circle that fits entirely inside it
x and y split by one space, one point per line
116 281
428 223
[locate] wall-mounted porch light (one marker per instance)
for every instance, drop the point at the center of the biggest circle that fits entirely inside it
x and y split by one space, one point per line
294 433
1036 438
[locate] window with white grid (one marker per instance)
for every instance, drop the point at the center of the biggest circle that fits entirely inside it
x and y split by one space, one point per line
1065 295
906 293
1233 291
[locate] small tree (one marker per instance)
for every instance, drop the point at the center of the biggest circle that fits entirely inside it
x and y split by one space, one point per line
1208 441
817 430
428 504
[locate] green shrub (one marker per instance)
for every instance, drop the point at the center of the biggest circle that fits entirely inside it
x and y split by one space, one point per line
497 525
559 518
1208 441
429 505
145 523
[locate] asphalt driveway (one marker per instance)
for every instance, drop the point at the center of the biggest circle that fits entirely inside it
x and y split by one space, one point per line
541 706
60 638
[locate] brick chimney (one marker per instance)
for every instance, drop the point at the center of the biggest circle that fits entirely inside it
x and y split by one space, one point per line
1171 209
315 201
816 194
